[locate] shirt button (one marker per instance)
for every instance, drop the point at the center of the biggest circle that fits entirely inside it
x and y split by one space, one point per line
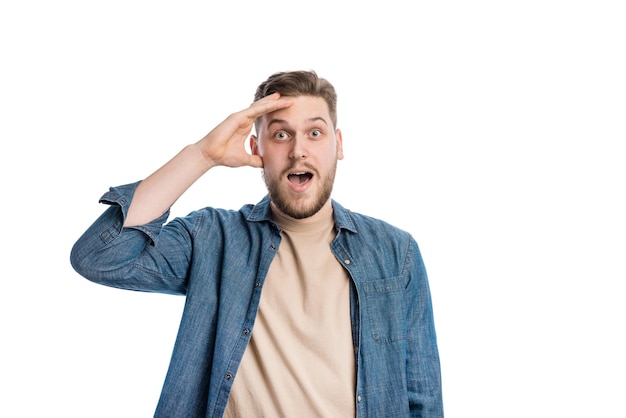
257 284
229 376
359 399
273 247
246 331
346 261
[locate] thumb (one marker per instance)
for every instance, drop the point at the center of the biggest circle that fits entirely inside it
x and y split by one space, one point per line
255 161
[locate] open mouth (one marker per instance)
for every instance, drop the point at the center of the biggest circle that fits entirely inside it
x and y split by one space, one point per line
300 177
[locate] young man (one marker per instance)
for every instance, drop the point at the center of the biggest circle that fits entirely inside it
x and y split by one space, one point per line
295 306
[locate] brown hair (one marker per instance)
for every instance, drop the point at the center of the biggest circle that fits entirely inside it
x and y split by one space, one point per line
300 83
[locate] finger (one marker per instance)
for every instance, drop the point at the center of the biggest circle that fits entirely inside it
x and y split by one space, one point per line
268 104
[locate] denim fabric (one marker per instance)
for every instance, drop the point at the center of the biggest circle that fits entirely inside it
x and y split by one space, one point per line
219 259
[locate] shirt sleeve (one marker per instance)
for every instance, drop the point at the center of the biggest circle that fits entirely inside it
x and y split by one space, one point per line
132 258
423 366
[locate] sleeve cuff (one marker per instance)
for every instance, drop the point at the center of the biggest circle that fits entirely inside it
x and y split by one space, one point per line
121 196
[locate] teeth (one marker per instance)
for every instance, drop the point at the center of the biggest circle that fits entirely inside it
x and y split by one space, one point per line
300 177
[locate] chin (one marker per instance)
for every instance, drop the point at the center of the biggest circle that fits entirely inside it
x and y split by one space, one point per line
301 207
298 210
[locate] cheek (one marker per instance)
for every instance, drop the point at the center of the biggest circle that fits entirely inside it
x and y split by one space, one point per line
272 154
270 163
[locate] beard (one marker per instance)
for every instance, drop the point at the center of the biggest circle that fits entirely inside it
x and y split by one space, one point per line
300 207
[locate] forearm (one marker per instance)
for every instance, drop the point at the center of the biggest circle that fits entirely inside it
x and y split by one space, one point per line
158 192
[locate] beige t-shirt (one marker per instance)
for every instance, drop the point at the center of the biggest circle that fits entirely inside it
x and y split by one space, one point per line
300 359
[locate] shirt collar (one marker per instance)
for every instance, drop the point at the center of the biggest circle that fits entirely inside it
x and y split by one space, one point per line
262 212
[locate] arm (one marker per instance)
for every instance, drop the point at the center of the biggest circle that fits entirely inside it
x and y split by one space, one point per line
423 367
224 145
120 248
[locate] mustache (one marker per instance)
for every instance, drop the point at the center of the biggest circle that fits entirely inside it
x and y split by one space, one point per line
297 165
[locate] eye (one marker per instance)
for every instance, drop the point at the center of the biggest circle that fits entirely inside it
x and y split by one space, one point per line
281 136
316 133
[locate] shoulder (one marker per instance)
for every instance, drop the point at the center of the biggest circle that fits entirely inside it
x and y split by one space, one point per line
365 225
377 244
249 216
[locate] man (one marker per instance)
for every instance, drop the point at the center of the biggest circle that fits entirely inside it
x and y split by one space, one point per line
295 306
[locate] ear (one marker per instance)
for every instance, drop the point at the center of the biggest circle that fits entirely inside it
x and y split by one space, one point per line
254 145
339 141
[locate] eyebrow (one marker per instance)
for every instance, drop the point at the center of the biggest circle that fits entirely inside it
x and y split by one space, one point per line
284 122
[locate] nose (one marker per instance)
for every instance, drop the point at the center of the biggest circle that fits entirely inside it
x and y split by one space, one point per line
298 150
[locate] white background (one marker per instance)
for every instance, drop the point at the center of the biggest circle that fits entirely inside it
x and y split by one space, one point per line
493 131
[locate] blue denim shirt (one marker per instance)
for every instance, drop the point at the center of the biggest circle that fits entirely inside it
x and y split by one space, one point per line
219 259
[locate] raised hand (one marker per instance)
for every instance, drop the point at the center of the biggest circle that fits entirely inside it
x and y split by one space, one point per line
224 145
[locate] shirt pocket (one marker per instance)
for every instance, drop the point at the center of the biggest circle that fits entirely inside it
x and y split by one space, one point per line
384 307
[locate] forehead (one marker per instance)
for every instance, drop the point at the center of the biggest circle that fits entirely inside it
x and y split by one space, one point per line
304 108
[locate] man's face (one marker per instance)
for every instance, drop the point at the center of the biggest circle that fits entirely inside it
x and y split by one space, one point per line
300 148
